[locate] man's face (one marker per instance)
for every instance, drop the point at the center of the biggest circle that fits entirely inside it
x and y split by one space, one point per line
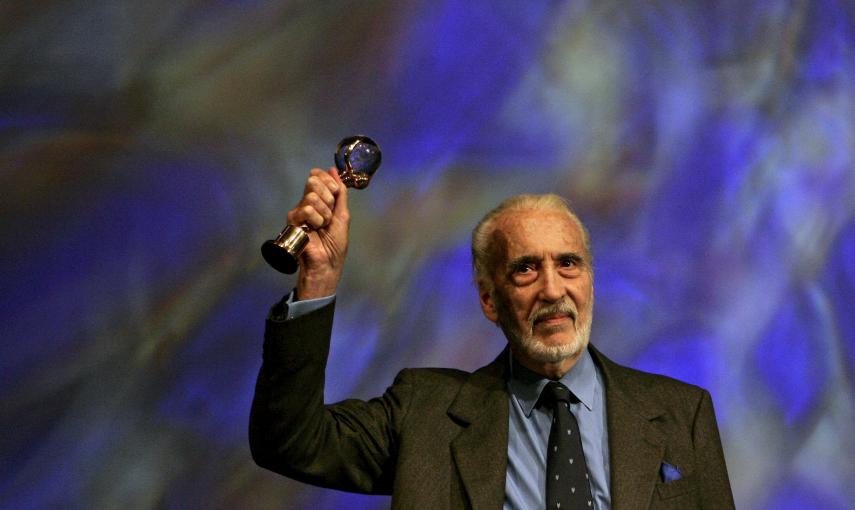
543 285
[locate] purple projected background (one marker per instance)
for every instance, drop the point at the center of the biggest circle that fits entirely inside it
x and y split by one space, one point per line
148 148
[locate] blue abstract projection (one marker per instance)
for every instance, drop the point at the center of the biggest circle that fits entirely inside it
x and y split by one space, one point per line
148 148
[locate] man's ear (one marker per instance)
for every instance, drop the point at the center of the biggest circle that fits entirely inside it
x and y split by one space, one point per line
488 305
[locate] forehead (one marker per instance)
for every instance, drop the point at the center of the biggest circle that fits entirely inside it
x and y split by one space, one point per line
537 233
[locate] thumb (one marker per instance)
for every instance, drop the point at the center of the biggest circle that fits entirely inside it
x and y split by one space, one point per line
341 209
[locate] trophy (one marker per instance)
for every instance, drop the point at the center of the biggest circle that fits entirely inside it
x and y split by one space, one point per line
357 158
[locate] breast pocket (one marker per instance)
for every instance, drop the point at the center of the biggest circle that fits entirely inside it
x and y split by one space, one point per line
677 494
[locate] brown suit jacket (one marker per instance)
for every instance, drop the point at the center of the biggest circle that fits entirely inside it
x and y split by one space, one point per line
438 438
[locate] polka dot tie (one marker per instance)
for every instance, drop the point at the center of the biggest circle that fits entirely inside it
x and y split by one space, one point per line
567 477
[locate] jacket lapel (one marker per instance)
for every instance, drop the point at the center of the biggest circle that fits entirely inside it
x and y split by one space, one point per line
636 445
480 451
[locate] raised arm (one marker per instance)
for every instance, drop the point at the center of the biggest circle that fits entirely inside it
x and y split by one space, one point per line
350 445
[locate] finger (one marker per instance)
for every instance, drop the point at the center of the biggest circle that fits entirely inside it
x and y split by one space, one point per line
321 183
341 209
320 205
306 215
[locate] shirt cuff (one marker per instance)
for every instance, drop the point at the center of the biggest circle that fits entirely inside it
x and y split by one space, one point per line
302 307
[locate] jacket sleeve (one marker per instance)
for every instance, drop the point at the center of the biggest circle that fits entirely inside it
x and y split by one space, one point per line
348 446
714 486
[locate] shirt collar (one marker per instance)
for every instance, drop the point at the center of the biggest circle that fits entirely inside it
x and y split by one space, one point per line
526 385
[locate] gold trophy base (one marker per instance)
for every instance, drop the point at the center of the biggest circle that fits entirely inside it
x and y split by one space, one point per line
283 253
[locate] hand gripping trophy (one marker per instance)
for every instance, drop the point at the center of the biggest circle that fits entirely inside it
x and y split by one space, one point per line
357 158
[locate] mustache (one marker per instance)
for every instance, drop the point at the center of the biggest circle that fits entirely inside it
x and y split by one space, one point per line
565 306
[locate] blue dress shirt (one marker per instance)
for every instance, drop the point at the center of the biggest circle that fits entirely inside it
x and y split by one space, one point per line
528 433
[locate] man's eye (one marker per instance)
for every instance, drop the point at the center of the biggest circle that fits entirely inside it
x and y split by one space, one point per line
523 268
570 262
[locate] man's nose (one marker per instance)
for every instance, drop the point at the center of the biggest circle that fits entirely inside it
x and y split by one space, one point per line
552 288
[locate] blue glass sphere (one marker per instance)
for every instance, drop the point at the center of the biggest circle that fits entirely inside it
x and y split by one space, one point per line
357 158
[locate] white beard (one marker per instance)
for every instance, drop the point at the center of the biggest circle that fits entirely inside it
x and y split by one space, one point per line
526 343
538 351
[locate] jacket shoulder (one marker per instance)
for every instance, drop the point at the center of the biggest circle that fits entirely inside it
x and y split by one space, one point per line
650 390
659 382
434 379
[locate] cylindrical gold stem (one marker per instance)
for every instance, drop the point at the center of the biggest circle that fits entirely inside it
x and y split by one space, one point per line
283 253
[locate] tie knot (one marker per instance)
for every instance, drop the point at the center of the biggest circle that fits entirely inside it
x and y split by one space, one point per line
557 392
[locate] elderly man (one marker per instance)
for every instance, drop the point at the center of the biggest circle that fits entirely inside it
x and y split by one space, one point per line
551 423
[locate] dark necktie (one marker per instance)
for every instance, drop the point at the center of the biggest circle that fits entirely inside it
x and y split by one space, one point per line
567 484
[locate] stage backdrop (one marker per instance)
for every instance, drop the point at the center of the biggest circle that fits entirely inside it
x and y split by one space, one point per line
148 148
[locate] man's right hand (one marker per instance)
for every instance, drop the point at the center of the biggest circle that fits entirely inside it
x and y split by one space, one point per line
324 209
